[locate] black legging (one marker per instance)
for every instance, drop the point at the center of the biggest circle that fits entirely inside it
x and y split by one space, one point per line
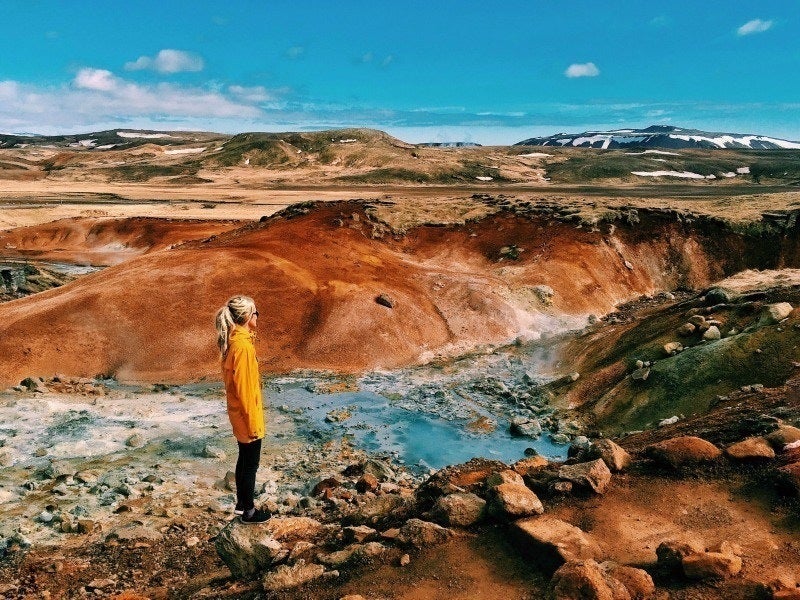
246 467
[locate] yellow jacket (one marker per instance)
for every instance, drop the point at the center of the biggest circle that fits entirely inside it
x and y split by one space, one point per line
243 387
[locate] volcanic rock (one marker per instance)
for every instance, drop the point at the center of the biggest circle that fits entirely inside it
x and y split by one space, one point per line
248 549
530 465
513 500
790 475
671 553
753 448
552 542
367 483
683 451
641 374
671 348
637 581
582 580
525 427
461 509
712 333
594 475
358 534
774 313
686 329
783 435
504 476
616 457
711 565
421 534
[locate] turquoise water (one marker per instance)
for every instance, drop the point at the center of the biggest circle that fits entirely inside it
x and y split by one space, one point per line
419 439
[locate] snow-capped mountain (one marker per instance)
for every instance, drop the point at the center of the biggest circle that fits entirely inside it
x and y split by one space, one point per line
661 136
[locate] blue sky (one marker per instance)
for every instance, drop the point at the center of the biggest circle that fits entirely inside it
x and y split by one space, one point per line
425 71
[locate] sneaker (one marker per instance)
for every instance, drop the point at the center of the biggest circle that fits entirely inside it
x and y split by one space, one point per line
255 515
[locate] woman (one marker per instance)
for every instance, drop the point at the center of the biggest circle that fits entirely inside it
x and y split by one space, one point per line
236 323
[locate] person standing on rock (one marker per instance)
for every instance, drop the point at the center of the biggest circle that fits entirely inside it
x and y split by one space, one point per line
236 323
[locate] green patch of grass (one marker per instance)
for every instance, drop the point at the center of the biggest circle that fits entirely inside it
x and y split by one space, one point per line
146 172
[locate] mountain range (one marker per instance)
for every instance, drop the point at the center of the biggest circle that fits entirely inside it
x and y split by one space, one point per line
661 136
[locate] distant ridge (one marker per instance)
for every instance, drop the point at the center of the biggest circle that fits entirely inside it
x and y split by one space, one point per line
661 136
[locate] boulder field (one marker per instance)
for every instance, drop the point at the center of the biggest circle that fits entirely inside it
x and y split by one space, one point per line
316 272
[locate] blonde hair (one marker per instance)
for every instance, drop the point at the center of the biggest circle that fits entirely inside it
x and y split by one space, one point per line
237 311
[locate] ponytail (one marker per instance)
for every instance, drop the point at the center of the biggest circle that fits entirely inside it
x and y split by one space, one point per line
237 311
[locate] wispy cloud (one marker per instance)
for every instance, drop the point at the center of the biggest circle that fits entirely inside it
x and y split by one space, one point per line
754 26
582 70
167 61
296 52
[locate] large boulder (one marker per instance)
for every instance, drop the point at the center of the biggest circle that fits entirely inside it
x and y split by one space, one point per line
783 435
513 500
461 509
775 313
421 534
582 580
637 581
614 455
711 565
526 427
586 580
247 549
593 475
683 451
754 448
551 542
467 477
502 477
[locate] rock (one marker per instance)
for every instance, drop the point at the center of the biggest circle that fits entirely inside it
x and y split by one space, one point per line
637 581
247 549
563 487
669 421
134 532
367 483
698 321
290 576
34 384
686 329
753 448
782 436
530 465
711 565
358 534
641 374
87 526
210 451
512 501
6 458
525 427
552 542
672 552
405 560
469 477
389 507
460 509
774 313
504 476
379 469
789 475
328 483
293 529
671 348
616 458
712 333
101 584
594 475
421 534
683 451
385 300
718 295
581 580
134 441
87 477
230 481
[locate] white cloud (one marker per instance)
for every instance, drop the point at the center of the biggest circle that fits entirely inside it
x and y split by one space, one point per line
754 26
95 79
582 70
251 94
168 61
